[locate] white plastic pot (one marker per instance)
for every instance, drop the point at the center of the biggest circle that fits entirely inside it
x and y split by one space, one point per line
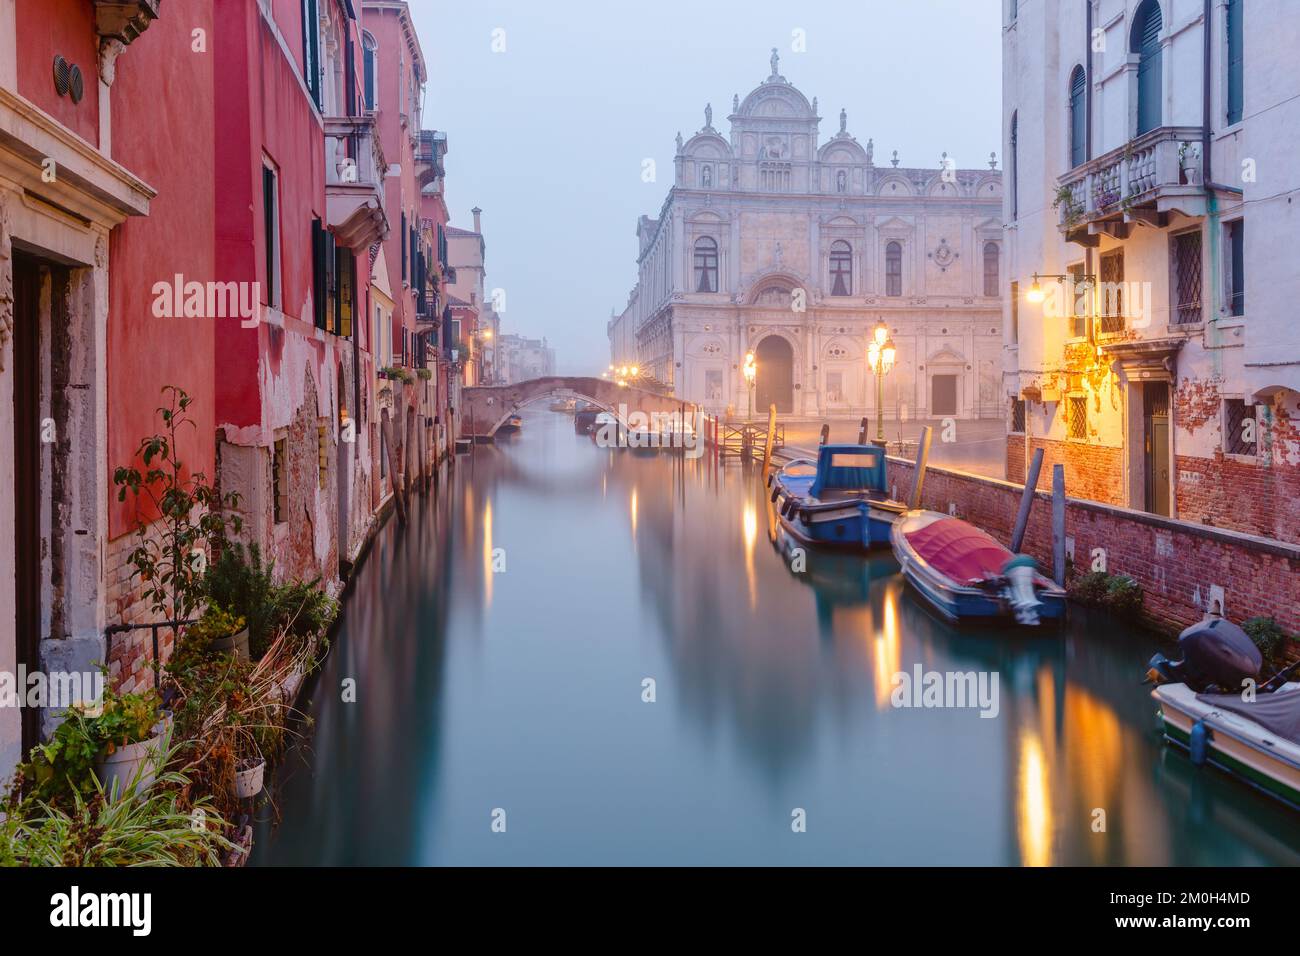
248 782
118 771
236 644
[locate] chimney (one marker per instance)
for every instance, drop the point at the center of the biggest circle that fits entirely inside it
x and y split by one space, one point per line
477 213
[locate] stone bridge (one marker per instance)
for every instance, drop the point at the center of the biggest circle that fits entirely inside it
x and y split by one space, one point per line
485 408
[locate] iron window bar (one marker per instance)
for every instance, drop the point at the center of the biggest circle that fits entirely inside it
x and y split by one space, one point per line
113 630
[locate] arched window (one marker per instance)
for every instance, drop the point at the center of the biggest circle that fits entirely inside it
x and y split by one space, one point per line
1146 44
706 265
1078 117
841 268
1015 165
369 51
991 268
894 269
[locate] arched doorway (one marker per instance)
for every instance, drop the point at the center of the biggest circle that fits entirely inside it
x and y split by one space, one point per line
774 384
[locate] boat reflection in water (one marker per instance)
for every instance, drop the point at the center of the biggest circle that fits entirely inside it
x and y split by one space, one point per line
523 690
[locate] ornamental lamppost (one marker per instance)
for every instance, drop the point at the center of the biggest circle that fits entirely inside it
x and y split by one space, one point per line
750 372
880 356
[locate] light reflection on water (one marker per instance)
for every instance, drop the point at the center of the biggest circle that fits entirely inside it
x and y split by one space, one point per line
521 690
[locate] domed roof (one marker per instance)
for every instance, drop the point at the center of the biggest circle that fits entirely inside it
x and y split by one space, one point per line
776 98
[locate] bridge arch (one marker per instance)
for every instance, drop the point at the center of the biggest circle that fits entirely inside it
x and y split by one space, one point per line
485 408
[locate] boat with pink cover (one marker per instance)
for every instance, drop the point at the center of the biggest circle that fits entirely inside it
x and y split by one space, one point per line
967 575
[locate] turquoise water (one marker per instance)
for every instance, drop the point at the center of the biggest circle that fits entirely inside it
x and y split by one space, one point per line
500 647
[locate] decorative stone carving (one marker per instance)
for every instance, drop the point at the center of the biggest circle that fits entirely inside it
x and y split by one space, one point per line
118 23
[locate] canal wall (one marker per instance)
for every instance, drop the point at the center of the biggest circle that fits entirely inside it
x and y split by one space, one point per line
1183 567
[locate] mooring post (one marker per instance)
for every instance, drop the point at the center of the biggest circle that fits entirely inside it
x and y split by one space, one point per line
862 431
922 457
1026 501
386 430
771 435
1058 522
826 434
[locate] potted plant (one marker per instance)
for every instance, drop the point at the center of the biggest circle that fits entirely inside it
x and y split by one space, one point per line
424 373
116 746
221 631
249 777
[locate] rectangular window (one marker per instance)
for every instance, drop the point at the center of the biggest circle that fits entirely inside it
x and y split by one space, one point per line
322 453
279 480
344 300
1112 292
1076 417
1078 301
1235 233
1240 428
322 275
311 49
1236 62
403 247
1185 253
271 227
1017 416
835 387
1015 313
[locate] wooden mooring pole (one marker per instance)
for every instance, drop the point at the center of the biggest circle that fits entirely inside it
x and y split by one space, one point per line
1058 523
862 431
1026 501
826 434
771 437
922 458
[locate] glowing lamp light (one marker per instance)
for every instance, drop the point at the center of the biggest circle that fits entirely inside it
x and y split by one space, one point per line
751 369
635 371
1035 293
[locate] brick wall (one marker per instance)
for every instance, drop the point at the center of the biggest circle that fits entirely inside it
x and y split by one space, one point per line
1232 492
1095 472
129 653
1016 458
1176 562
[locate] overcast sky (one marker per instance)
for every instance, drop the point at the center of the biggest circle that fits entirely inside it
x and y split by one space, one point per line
548 137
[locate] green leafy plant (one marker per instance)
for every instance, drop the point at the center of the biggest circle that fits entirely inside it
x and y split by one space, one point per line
1124 596
240 581
158 828
1090 588
1070 211
215 623
63 767
1268 637
191 512
424 373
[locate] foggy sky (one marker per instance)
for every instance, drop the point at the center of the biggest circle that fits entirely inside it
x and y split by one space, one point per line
549 136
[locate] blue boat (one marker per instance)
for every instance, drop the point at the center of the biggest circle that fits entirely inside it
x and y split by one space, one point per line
839 500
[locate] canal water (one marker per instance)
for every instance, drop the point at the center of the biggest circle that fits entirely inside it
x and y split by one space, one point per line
491 673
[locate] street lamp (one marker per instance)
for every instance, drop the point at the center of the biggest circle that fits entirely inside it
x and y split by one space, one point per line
750 372
880 356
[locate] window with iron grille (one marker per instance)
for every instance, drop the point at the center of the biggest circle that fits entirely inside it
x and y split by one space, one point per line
1240 428
1076 417
1017 416
322 453
1186 253
1112 291
1079 305
279 480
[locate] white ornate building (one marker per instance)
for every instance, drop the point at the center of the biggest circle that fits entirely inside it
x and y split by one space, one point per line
773 241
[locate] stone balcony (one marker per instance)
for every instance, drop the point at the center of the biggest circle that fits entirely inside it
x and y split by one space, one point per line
1142 181
354 181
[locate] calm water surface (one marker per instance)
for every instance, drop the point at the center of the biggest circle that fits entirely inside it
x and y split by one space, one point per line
522 690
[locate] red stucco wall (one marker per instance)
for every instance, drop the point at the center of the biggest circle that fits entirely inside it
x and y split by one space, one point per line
171 149
65 28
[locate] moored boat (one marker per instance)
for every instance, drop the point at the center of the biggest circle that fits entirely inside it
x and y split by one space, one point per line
839 500
511 424
967 575
1212 704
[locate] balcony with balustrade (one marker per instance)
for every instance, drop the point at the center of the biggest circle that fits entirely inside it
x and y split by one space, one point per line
1143 181
354 181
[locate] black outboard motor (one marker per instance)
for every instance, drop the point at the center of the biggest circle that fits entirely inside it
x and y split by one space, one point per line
1216 654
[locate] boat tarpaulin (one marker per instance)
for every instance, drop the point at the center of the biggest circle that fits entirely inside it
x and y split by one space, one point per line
1278 712
959 550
